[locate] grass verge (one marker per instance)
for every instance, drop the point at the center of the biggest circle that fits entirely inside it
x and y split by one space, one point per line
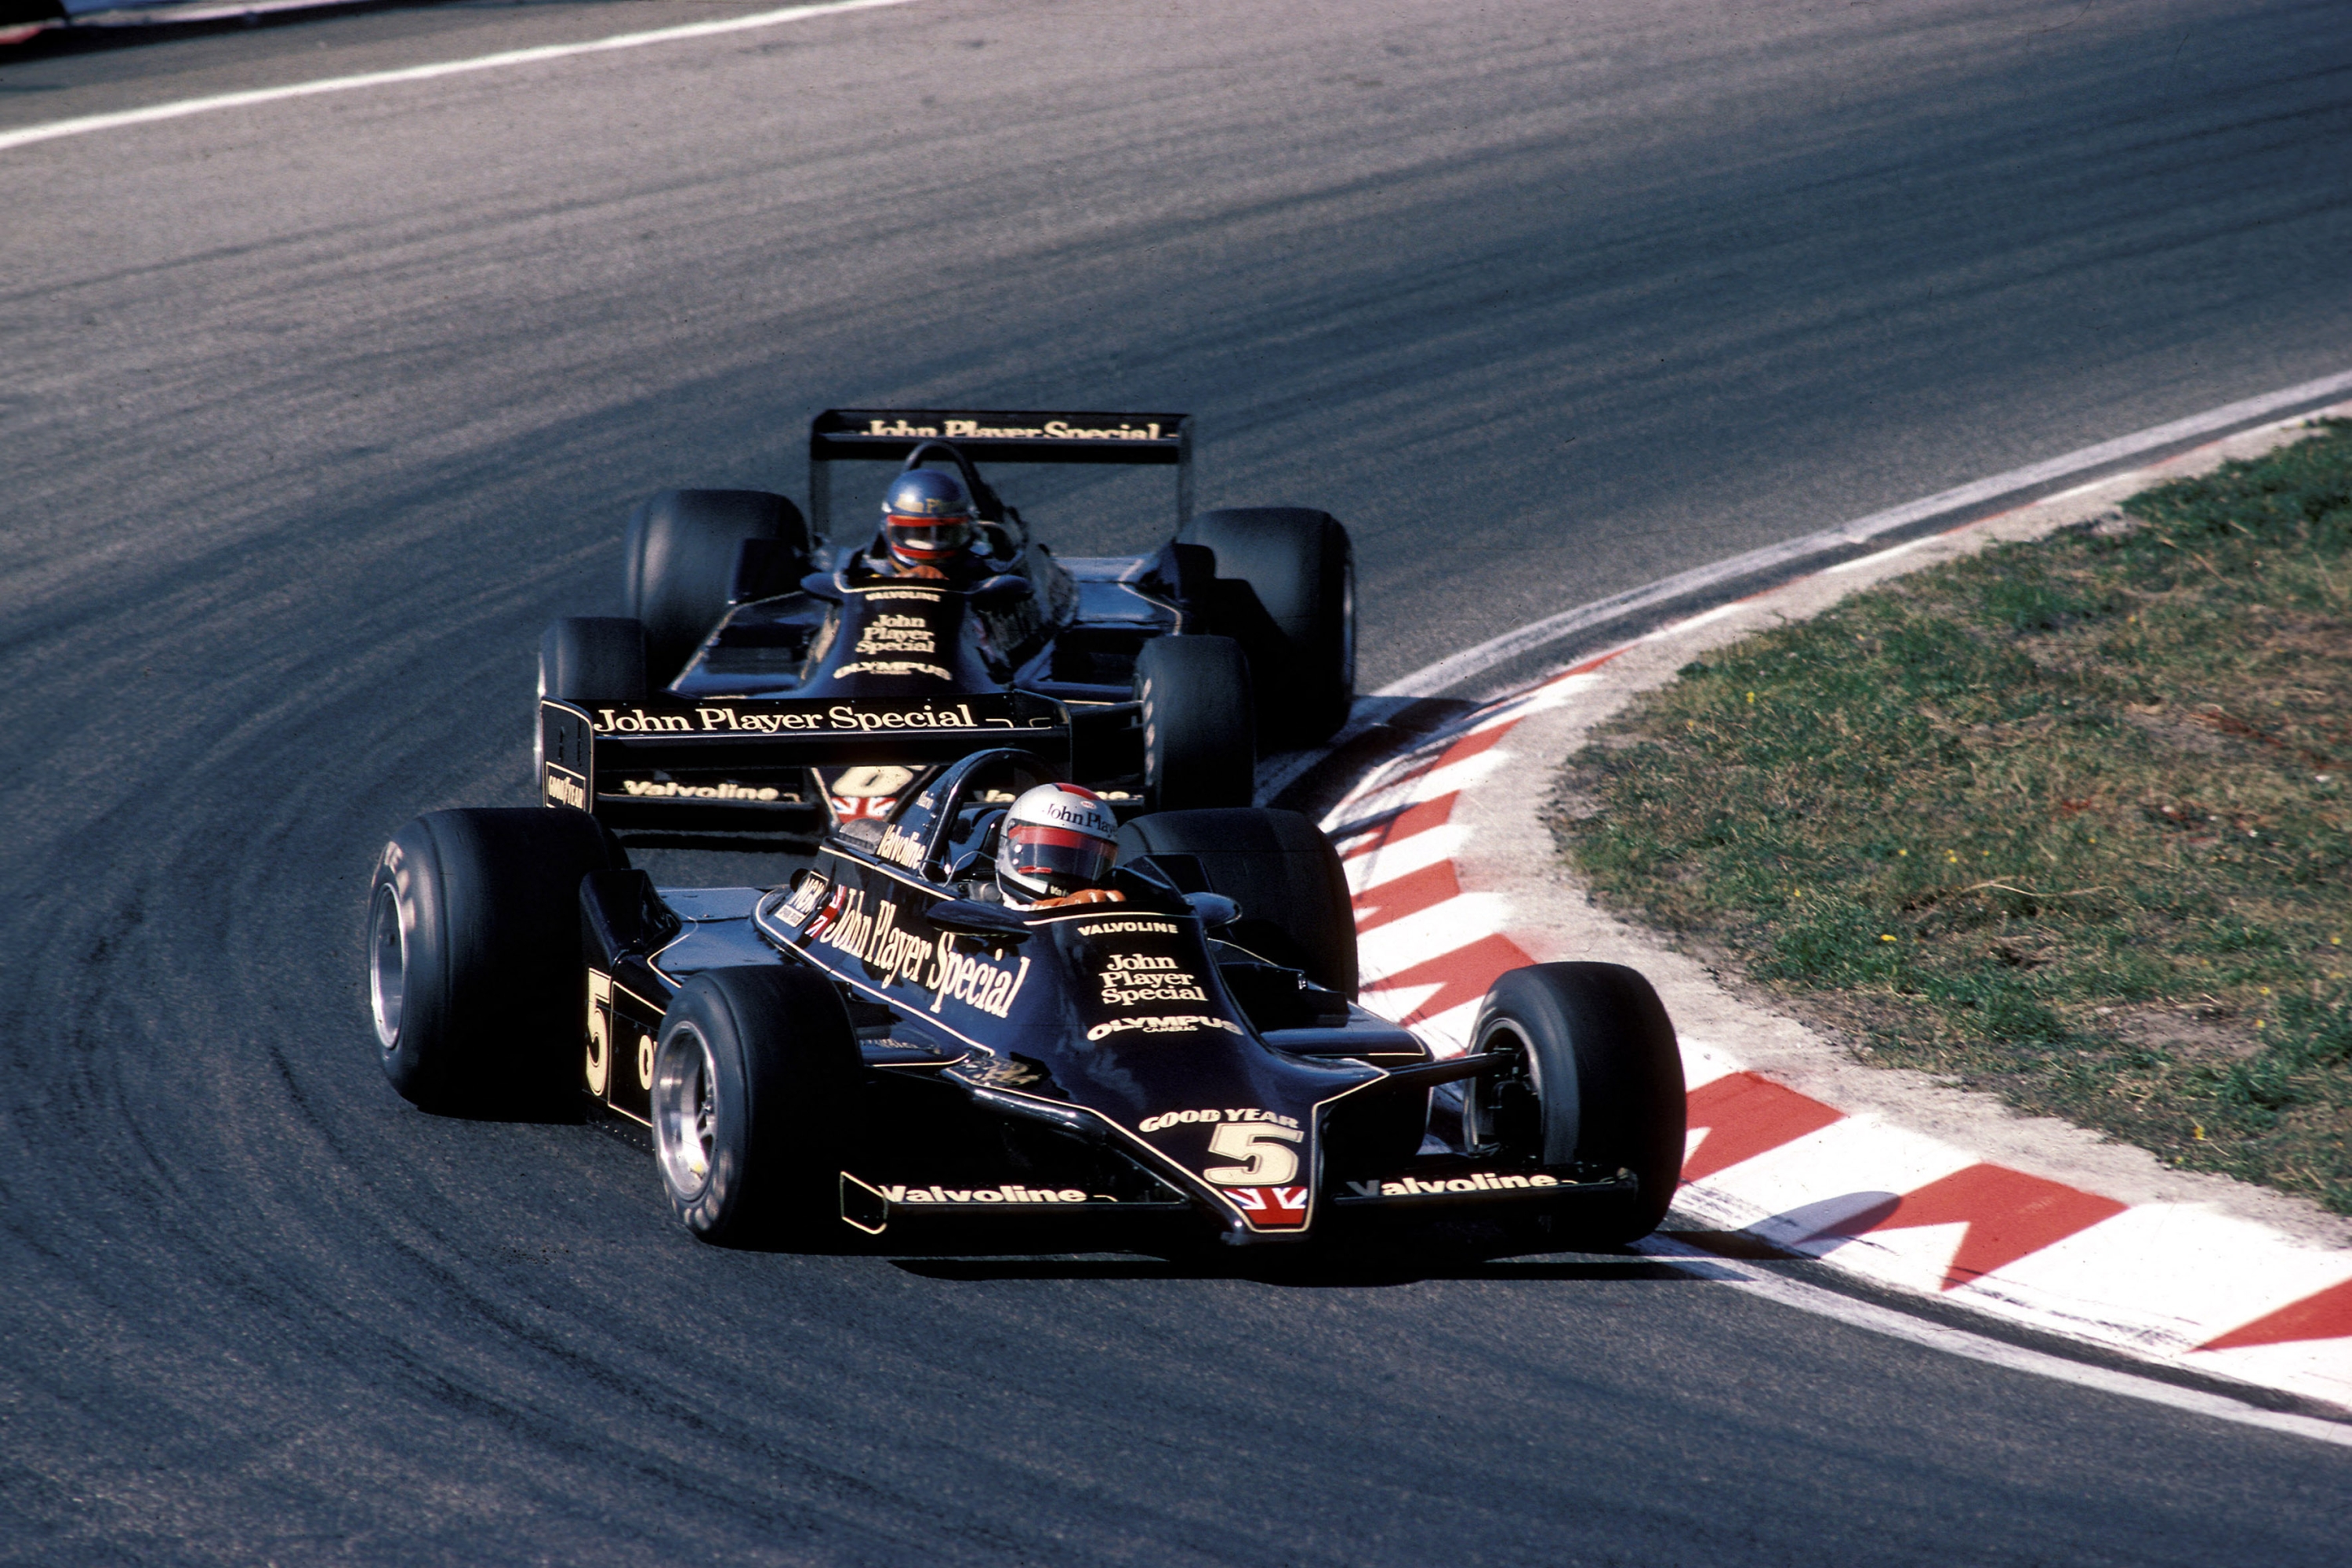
2065 821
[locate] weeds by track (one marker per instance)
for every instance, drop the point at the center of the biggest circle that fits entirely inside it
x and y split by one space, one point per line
2067 820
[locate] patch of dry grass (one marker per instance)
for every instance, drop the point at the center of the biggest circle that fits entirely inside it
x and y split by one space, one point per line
2066 821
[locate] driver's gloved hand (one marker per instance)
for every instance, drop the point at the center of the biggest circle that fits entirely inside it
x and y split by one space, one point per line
1083 896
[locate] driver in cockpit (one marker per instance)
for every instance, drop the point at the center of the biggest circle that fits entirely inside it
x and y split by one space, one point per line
928 529
1056 849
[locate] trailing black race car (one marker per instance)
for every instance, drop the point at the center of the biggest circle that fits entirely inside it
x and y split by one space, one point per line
919 1034
1156 678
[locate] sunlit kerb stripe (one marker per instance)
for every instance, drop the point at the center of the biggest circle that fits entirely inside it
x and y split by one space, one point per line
88 122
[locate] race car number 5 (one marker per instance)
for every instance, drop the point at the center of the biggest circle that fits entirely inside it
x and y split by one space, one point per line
1271 1162
600 1030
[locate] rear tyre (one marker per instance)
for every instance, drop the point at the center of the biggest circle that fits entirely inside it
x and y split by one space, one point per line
1198 744
474 960
1599 1082
755 1104
677 560
1285 589
1277 865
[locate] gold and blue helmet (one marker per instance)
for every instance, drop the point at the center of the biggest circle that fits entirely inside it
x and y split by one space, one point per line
927 517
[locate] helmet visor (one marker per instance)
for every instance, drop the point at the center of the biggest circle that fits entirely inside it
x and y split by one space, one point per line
929 538
1057 858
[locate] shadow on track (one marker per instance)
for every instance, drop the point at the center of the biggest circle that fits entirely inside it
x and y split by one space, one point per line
1307 1274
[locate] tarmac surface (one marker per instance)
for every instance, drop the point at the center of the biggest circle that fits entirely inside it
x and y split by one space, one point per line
317 410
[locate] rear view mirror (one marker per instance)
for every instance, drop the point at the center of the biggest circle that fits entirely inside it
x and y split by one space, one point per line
1216 909
999 592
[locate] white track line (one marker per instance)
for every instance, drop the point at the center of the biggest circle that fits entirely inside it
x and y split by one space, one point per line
1448 673
1898 1325
186 106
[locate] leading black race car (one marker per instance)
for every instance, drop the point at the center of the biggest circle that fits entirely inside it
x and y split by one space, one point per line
1156 678
873 1046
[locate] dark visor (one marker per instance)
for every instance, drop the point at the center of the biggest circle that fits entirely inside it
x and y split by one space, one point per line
926 536
1058 856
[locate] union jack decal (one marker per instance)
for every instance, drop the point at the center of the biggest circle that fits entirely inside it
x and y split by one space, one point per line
846 806
1272 1208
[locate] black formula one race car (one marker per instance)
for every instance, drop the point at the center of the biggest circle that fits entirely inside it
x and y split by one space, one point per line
875 1046
1156 678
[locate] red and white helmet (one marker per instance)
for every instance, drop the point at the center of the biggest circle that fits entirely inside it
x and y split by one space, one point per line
1058 839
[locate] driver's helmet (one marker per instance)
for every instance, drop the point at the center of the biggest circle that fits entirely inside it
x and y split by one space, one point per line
927 518
1057 839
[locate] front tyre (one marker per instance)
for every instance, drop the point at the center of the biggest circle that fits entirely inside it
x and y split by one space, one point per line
1597 1081
592 660
1277 865
589 661
677 562
1199 745
474 958
755 1104
1286 587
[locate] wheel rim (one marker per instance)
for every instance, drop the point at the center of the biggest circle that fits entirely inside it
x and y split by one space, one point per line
388 966
1504 1109
686 1112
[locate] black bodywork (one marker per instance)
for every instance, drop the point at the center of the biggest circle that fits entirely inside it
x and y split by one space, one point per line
1112 1062
831 644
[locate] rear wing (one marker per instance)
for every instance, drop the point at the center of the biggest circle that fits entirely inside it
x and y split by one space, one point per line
888 435
747 758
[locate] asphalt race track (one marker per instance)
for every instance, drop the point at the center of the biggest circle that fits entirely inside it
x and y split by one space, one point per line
315 411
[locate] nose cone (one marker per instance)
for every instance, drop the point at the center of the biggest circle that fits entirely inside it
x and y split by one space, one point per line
1257 1153
899 640
1153 1041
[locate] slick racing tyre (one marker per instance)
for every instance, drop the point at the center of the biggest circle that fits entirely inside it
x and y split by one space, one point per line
755 1104
1285 589
474 962
1277 865
1597 1081
1198 745
677 562
592 659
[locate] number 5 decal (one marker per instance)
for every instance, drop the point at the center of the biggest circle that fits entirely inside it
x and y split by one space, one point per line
599 1031
1270 1163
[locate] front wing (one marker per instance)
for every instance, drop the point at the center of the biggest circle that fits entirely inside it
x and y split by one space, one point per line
1433 1188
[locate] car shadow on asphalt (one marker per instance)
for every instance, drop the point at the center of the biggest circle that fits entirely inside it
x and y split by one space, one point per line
1306 1273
